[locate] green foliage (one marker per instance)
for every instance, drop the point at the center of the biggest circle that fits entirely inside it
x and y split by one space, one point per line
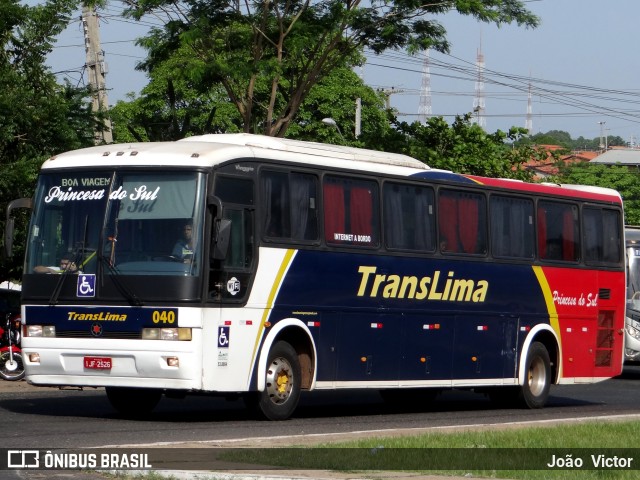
520 453
618 177
171 107
334 98
39 117
563 139
465 147
267 56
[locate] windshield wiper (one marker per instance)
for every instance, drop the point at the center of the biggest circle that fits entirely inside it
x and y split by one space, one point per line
124 290
53 300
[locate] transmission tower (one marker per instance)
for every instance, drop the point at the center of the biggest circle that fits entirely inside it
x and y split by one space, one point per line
97 70
529 122
424 109
478 102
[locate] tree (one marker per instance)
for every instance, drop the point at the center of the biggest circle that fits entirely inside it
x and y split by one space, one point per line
616 141
39 117
464 147
552 137
170 108
618 177
268 55
334 97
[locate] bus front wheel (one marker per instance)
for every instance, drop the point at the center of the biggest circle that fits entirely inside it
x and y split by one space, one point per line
535 389
133 402
280 397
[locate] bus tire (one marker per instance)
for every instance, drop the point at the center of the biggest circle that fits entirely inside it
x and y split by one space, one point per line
537 383
133 402
282 387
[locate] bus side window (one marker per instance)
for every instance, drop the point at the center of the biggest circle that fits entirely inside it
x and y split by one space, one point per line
462 222
351 212
558 237
602 235
511 227
290 205
409 221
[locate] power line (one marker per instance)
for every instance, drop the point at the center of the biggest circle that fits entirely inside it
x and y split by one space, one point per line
582 97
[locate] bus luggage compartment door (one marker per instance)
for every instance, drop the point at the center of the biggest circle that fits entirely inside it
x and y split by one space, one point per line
485 347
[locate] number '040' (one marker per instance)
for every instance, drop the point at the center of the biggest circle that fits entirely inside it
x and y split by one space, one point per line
163 316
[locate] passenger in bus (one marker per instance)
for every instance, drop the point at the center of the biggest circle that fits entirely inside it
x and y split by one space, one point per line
554 250
183 249
66 264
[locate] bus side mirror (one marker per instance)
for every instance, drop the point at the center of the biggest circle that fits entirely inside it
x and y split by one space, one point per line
221 238
9 228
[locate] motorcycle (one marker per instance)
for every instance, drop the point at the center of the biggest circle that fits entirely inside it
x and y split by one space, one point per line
11 363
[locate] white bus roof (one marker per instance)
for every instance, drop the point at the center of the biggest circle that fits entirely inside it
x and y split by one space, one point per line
213 149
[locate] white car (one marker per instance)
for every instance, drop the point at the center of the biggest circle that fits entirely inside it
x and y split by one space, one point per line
632 315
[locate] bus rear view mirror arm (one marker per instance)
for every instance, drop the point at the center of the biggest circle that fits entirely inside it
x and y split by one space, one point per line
10 223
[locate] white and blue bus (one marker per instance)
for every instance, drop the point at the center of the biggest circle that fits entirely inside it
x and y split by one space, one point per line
312 267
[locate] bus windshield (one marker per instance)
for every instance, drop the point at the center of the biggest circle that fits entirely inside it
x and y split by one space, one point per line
129 223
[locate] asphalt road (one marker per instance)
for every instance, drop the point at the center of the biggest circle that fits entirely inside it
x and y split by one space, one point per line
45 418
34 417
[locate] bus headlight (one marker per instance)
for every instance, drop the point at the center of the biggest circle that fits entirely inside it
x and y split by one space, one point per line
166 334
40 331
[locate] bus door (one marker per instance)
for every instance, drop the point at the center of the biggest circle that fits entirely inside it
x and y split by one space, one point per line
231 277
485 347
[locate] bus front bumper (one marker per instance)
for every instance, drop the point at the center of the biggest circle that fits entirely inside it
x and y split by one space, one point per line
112 367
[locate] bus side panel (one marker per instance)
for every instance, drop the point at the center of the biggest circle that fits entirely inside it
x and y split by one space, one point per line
405 319
587 312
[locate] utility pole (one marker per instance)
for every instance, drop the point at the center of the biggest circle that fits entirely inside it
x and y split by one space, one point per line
602 144
97 70
387 92
358 127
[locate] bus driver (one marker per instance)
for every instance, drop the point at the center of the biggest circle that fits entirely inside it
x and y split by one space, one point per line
183 249
66 264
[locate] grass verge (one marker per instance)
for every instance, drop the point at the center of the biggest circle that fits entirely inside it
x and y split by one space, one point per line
594 450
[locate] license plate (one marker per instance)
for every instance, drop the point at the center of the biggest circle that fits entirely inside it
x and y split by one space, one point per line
97 363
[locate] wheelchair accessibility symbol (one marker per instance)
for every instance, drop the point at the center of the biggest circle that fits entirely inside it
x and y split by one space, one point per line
86 286
223 337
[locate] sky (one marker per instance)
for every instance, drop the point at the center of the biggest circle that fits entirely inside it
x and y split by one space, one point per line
578 70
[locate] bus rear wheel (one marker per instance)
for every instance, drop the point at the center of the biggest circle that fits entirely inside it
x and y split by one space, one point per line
537 383
534 392
133 402
282 384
